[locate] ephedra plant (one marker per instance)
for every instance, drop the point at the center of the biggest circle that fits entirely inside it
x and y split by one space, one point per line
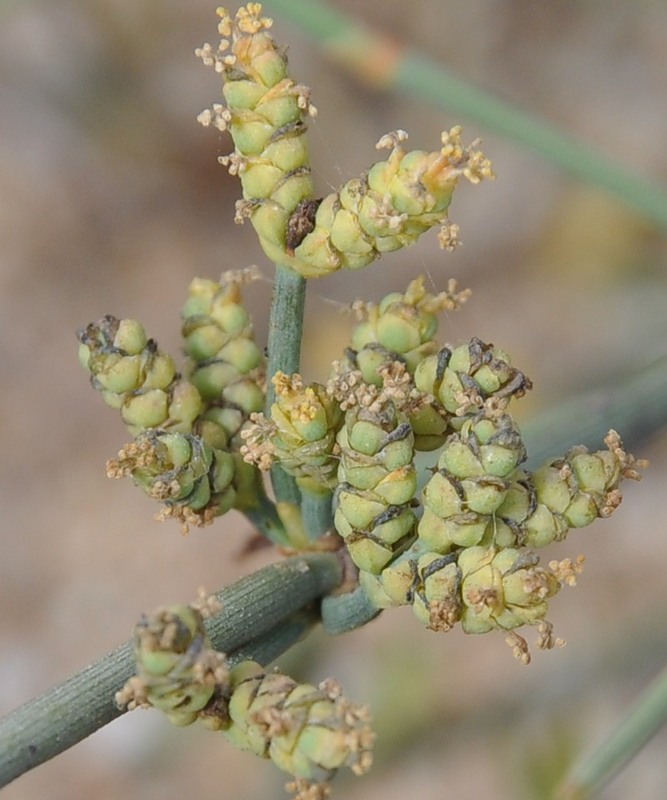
357 530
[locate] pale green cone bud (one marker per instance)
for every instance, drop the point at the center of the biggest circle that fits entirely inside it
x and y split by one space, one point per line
400 328
307 731
306 420
399 579
374 589
486 445
429 426
193 480
436 599
210 426
266 115
225 362
390 207
428 581
503 589
387 534
398 582
471 482
377 482
130 337
141 383
177 672
112 367
458 530
464 379
570 492
303 414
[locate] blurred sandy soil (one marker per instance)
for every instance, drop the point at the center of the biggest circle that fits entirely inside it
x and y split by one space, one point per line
111 200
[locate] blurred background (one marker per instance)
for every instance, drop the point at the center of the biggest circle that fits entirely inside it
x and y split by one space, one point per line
111 200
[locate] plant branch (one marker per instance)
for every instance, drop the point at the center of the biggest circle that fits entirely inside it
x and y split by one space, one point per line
380 61
284 343
257 620
317 512
634 406
346 612
641 723
265 518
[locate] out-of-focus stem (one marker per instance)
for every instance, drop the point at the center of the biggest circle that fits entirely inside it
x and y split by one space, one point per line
385 64
634 406
645 719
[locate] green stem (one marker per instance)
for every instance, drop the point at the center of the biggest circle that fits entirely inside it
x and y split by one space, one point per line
317 513
634 406
284 486
345 612
284 344
265 518
371 56
254 609
266 648
640 724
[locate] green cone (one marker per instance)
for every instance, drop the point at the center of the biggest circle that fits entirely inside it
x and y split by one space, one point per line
401 327
193 480
306 420
568 492
377 481
388 208
135 377
503 589
471 482
177 671
307 731
464 379
224 360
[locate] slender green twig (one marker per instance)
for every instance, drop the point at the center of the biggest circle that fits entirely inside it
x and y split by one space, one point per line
317 513
257 619
285 325
265 518
346 612
634 405
639 725
379 60
285 331
266 648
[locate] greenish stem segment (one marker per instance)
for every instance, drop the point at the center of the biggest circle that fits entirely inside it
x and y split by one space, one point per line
317 513
639 725
285 332
284 486
353 46
261 617
266 648
345 612
634 406
265 518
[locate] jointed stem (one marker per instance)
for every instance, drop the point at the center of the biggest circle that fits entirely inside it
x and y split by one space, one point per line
262 615
317 513
285 331
265 518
